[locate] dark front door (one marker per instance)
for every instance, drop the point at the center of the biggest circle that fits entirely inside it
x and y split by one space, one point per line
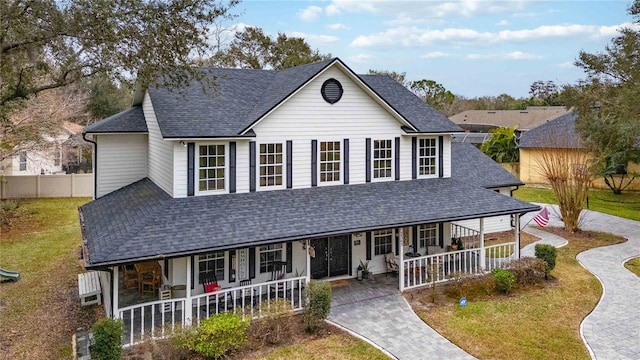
331 256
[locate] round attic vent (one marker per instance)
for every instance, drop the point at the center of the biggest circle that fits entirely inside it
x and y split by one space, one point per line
331 91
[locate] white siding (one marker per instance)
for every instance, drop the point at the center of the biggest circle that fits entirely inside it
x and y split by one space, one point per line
160 151
179 170
121 160
491 224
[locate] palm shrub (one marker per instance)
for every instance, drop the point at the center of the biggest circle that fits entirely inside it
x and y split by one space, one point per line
502 146
107 339
548 254
318 304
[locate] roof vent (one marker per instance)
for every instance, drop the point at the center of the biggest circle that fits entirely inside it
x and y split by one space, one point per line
331 91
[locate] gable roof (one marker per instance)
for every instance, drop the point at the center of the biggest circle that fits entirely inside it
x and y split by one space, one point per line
141 221
557 134
128 121
242 97
528 119
472 166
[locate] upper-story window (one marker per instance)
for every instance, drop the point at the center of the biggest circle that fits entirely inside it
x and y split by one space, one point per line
330 161
211 166
382 159
427 157
271 161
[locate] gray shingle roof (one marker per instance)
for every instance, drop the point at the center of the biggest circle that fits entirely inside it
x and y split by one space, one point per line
530 118
128 121
557 134
472 166
140 220
243 96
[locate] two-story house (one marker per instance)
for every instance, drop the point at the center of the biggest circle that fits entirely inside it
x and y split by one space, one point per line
277 177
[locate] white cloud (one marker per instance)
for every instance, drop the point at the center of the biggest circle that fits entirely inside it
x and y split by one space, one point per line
502 23
566 65
416 36
332 10
360 58
514 55
314 39
310 14
337 26
434 54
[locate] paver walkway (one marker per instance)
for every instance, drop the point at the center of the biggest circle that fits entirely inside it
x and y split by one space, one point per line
376 311
612 330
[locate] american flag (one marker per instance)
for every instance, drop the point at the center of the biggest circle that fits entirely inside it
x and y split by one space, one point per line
542 219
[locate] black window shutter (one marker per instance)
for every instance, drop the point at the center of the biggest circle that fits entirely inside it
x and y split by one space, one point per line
232 254
289 248
415 234
314 162
350 256
166 268
441 234
440 156
232 166
414 158
252 263
252 166
193 274
397 156
289 164
368 159
397 237
191 158
368 241
345 155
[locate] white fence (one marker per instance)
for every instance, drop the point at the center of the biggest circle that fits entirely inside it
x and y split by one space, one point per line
46 186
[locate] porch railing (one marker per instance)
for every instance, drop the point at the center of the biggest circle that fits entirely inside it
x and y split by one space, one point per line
470 238
439 268
158 319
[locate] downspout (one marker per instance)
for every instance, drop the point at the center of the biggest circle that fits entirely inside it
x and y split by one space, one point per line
95 164
513 190
110 271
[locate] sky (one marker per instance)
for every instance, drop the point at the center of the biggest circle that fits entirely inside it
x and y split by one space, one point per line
473 48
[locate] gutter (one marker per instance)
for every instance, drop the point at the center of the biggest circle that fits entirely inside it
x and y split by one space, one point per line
95 163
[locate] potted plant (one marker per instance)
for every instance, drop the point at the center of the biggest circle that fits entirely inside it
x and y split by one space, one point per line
366 270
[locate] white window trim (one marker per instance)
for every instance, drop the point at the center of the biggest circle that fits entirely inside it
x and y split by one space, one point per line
224 265
437 157
374 236
335 182
393 161
196 177
426 245
284 167
282 251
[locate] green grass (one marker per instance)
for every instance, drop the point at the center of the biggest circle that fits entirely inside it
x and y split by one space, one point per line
633 265
626 205
334 346
541 322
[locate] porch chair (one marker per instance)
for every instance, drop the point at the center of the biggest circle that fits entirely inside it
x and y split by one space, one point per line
129 277
390 263
278 270
210 282
150 282
251 294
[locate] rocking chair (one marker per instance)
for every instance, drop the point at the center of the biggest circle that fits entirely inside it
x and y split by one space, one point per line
278 270
390 263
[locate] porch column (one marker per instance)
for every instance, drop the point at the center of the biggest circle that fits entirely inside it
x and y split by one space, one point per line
517 240
308 260
115 296
188 303
401 265
483 258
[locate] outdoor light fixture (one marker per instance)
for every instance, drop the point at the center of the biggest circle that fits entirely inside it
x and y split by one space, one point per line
359 272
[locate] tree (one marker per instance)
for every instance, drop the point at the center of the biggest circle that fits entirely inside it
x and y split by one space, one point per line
432 93
502 146
106 98
47 44
399 77
544 93
253 49
608 107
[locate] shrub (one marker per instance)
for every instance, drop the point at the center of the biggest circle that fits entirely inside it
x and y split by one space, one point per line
216 336
8 210
276 324
548 254
505 280
527 270
318 304
107 339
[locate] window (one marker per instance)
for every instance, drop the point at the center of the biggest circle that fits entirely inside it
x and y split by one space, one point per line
382 158
211 262
329 161
382 240
268 255
427 157
23 160
56 157
211 168
270 164
428 235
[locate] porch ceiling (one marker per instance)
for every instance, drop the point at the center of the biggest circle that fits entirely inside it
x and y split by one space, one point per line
142 221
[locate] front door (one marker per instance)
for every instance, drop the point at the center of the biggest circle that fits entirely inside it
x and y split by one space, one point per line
332 256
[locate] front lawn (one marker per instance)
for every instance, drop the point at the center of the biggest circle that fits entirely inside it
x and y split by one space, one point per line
633 265
541 322
626 205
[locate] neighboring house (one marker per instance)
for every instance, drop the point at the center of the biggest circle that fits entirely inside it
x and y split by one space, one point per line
477 123
42 159
309 171
558 135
